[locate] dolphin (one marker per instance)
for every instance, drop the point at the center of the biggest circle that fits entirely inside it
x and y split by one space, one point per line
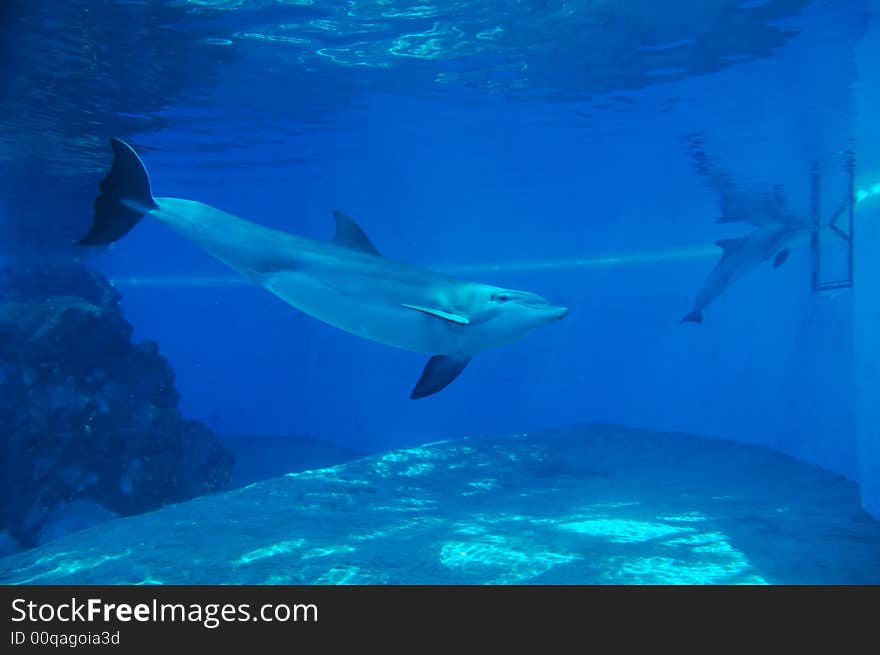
777 228
344 282
740 256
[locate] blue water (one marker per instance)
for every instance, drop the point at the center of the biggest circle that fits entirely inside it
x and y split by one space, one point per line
546 146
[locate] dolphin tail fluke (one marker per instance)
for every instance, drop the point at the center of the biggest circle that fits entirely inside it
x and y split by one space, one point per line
695 316
125 197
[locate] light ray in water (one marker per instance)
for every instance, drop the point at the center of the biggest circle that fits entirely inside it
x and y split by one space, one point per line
527 265
695 252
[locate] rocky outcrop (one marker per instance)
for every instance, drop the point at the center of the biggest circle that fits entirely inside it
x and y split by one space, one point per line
88 419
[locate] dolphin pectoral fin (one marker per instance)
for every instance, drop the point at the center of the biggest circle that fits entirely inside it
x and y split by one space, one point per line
439 313
439 372
695 316
350 235
780 258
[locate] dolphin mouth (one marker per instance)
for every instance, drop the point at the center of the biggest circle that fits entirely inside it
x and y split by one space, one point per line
552 312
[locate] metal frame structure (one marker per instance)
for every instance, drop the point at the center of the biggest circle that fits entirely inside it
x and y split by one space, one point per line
844 232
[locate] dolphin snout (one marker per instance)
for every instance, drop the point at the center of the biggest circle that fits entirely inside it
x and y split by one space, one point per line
559 313
540 307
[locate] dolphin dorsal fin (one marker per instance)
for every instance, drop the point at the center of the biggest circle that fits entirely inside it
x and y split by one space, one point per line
350 235
439 313
728 245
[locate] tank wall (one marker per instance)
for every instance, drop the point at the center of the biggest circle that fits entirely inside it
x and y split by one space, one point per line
867 292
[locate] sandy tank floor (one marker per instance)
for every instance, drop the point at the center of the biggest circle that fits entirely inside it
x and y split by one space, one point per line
586 504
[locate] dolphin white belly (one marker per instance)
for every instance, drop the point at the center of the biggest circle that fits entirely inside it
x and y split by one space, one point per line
356 292
373 318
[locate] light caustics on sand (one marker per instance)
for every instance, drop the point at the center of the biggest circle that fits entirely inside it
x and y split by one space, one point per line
522 266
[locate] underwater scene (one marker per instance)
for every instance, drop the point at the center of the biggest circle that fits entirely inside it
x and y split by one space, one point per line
440 292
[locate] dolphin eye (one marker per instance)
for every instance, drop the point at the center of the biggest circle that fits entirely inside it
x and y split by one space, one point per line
500 297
